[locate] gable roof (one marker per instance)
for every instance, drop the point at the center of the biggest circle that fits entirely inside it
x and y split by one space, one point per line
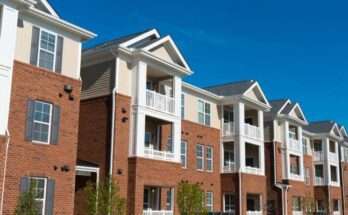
277 106
45 6
320 127
231 89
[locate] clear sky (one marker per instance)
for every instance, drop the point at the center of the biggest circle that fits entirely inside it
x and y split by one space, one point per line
296 49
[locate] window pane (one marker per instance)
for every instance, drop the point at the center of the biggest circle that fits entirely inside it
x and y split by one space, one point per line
183 154
201 118
46 60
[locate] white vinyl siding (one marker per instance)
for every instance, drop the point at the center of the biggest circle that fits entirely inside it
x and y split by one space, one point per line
209 158
42 122
183 103
183 154
47 50
204 112
199 157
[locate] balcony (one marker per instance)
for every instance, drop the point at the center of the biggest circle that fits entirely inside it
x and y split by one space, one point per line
296 177
318 156
297 213
228 129
229 168
333 157
318 181
253 170
295 145
159 102
156 154
252 131
254 212
162 212
336 213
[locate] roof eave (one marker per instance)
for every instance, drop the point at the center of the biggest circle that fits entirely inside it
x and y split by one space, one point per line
201 91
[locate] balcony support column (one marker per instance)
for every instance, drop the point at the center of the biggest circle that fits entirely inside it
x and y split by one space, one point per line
239 145
260 123
141 83
176 138
139 134
177 95
286 154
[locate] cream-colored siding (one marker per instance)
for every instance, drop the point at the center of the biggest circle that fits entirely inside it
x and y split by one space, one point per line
278 129
251 94
191 108
124 78
161 52
71 46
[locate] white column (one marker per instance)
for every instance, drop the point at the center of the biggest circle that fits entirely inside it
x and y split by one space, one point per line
139 134
141 83
176 138
222 156
260 122
286 144
326 150
8 30
286 134
239 144
299 130
177 95
262 158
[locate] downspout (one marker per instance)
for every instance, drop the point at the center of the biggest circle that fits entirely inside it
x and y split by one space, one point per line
114 91
5 168
240 192
343 189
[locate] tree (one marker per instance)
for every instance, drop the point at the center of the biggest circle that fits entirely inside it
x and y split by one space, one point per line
190 199
103 198
27 205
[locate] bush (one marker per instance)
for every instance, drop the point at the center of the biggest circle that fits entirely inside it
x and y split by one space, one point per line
190 199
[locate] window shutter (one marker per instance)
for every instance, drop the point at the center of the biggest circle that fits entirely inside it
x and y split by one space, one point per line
59 54
50 197
34 46
55 125
29 120
24 185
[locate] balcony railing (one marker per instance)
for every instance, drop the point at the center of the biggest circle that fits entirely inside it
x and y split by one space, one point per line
253 170
296 177
297 213
163 212
254 212
229 129
252 131
333 157
162 155
229 168
295 145
159 102
319 181
336 213
318 156
335 183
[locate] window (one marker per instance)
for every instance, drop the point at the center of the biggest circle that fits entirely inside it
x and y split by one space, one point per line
304 146
229 204
203 112
308 176
345 154
170 145
228 158
292 132
270 207
146 200
149 85
209 202
336 205
228 116
148 139
47 50
199 155
210 156
183 154
320 206
253 202
42 122
169 199
332 147
296 204
38 185
334 177
183 103
249 121
317 146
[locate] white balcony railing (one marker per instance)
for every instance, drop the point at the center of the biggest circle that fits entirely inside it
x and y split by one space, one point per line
252 131
297 213
296 177
159 102
336 213
319 181
333 157
162 155
254 212
163 212
228 129
229 168
318 156
253 170
295 145
335 183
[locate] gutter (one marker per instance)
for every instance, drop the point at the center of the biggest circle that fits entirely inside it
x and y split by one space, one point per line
5 169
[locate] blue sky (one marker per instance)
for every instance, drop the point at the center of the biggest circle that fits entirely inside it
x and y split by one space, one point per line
295 49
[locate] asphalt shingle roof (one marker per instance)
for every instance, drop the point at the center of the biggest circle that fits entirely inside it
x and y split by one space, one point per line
276 106
320 127
231 89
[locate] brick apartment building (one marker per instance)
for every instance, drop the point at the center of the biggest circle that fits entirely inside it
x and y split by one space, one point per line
39 105
133 117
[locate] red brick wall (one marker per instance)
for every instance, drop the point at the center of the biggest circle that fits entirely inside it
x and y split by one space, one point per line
344 172
29 159
2 160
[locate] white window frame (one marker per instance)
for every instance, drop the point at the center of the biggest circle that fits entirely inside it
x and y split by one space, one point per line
230 162
45 123
333 207
210 205
39 47
304 146
204 112
202 158
308 176
185 155
224 204
45 190
298 207
210 159
183 105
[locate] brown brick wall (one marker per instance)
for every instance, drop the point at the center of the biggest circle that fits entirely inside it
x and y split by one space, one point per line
344 182
29 159
2 160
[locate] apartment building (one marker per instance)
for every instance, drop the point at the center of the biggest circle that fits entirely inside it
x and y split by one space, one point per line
39 102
